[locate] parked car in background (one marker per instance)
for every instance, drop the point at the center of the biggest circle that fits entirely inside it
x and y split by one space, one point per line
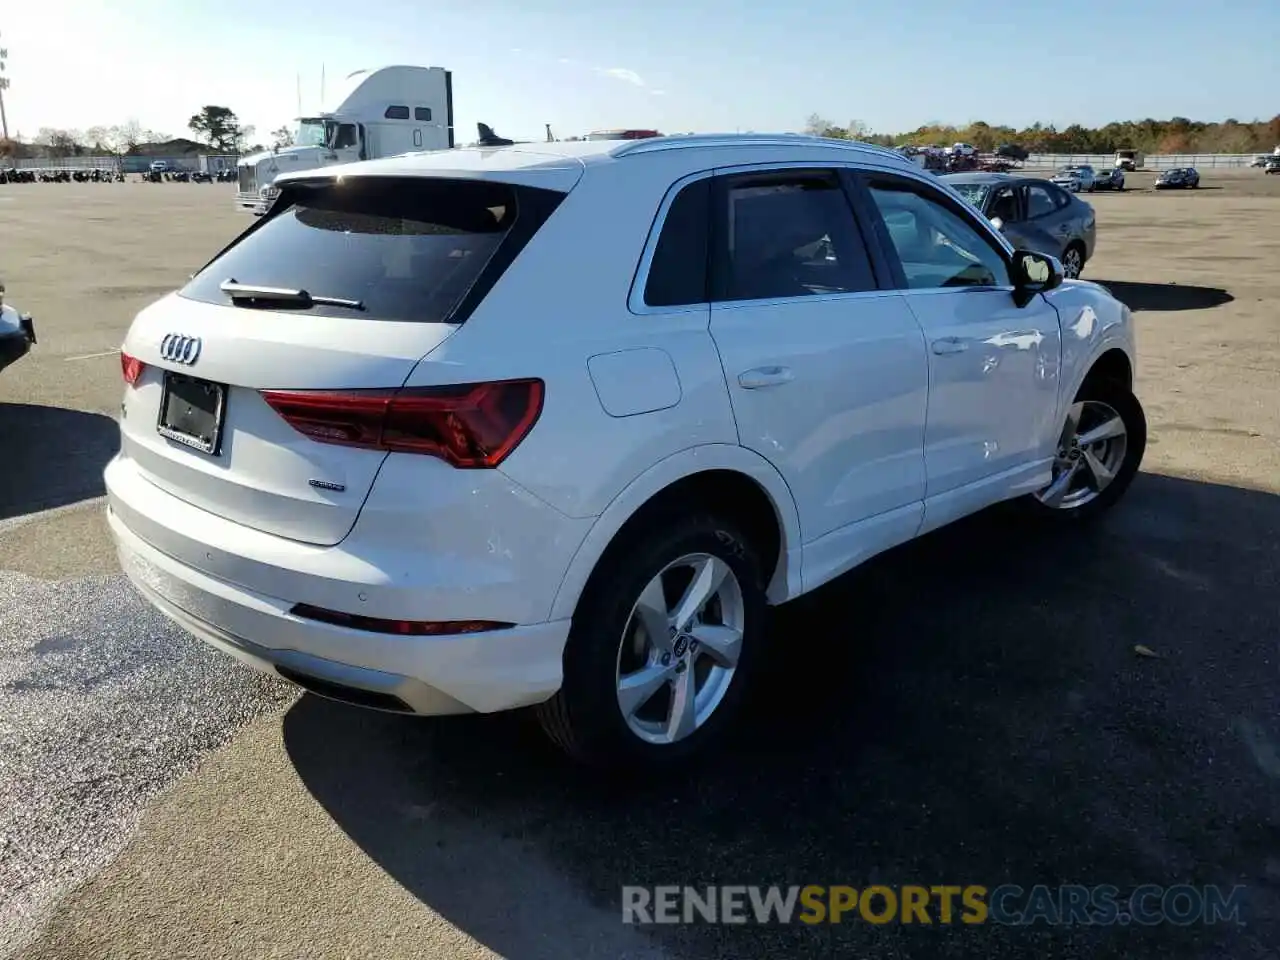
359 466
1075 177
1178 178
1112 179
17 333
1034 214
1272 166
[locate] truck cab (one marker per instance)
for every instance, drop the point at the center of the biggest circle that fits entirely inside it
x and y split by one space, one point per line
378 113
1129 160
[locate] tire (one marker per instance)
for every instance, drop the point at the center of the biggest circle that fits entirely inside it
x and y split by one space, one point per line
1074 247
585 718
1099 398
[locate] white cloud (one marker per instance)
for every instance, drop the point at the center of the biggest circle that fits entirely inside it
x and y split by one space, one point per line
658 93
625 75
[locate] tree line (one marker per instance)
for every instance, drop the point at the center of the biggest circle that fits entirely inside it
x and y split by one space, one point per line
215 127
1176 135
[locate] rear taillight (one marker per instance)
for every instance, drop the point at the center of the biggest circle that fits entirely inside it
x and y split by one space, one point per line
131 367
469 425
406 628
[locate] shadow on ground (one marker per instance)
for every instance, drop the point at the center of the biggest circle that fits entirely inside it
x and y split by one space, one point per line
968 709
1166 296
52 457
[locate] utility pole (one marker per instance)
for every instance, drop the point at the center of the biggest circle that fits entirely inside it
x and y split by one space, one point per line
4 85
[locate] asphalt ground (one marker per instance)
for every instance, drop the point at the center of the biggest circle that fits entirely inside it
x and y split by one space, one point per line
969 709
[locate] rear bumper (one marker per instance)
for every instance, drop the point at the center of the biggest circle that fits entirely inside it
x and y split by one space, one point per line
17 344
480 672
224 595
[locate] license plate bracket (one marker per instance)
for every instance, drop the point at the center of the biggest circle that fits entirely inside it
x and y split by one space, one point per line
192 412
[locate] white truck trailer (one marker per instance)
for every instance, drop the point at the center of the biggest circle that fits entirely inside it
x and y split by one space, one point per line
377 113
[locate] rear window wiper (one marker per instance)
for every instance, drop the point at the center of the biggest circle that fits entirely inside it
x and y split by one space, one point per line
247 291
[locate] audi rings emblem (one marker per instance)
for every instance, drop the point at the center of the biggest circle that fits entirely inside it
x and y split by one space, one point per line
179 349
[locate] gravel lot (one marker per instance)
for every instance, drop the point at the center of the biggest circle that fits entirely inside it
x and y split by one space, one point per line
967 709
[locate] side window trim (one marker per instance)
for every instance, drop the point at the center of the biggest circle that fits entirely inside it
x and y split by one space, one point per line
984 229
640 280
719 248
887 271
895 276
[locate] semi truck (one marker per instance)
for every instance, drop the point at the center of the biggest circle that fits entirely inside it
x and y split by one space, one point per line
381 112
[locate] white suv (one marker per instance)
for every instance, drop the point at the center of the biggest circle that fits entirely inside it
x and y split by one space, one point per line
553 424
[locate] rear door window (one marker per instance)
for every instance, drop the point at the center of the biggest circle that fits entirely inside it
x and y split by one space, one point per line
789 234
405 249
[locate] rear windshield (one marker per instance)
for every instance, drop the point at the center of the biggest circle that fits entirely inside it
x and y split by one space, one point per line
404 248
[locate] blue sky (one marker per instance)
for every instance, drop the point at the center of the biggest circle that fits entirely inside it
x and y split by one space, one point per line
676 66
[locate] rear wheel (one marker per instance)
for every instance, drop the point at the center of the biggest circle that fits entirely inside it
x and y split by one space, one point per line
662 648
1099 452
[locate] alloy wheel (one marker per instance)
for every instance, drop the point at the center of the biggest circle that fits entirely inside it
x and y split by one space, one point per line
1090 454
1072 264
680 648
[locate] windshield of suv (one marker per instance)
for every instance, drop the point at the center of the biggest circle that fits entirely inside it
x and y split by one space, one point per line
406 249
1067 172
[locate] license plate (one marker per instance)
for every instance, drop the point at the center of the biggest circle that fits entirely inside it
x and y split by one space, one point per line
192 411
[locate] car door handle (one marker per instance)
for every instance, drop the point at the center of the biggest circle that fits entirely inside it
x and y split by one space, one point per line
950 345
765 377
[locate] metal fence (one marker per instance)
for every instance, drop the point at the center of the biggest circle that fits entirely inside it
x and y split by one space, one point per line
211 163
1153 161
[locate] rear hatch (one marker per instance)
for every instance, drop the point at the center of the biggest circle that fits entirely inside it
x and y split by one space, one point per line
345 286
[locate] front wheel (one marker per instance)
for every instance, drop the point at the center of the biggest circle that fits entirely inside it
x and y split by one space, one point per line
662 647
1072 262
1099 452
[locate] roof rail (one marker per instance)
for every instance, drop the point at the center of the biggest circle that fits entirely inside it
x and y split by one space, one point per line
682 141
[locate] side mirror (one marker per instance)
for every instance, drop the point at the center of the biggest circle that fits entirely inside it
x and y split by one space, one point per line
997 223
1034 273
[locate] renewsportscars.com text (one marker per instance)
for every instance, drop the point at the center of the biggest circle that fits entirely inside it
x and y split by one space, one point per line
1008 904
